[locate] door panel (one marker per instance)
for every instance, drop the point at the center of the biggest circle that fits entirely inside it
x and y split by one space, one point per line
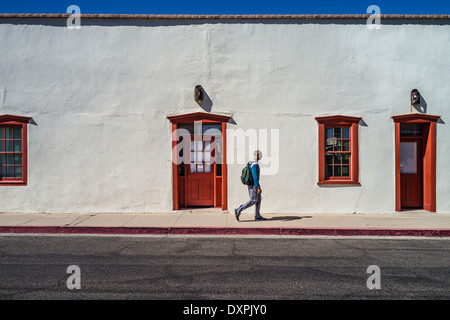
411 173
193 189
200 185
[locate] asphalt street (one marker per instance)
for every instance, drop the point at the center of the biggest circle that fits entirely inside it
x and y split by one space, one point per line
198 268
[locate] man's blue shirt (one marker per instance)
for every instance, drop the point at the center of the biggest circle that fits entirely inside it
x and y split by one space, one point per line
254 168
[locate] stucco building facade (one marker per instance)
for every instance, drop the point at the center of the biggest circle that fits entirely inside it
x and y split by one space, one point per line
91 119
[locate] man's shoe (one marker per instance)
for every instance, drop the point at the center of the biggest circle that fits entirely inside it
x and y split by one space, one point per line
260 218
236 214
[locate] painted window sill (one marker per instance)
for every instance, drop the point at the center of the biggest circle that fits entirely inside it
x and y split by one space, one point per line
339 182
13 183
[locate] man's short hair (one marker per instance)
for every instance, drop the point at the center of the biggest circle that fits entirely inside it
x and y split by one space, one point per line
257 153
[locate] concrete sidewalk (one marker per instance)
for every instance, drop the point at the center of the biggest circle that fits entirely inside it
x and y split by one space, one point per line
218 223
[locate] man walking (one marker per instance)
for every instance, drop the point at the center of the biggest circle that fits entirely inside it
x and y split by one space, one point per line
254 190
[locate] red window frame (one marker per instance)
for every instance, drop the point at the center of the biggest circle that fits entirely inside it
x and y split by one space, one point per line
17 122
339 122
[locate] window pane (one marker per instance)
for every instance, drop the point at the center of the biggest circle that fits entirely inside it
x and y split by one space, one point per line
17 133
329 133
2 159
212 129
337 133
181 169
337 159
188 129
2 171
199 156
346 159
2 133
9 172
9 145
337 171
328 171
410 130
218 149
17 145
218 170
180 154
193 168
329 145
207 168
2 145
18 171
10 159
328 158
193 157
207 157
200 168
346 171
337 145
408 157
346 133
9 132
346 145
180 146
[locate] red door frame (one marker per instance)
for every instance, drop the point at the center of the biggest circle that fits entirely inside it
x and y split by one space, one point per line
206 118
429 158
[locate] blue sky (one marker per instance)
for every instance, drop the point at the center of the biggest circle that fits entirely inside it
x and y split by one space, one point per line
229 6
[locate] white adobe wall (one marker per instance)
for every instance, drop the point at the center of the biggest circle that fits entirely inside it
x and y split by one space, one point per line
100 97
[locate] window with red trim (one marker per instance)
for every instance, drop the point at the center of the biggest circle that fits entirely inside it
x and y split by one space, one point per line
13 150
338 150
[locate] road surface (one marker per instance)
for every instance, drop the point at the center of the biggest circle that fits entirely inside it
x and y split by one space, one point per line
224 268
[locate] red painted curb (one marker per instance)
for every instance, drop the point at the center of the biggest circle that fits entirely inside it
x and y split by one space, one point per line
228 231
367 232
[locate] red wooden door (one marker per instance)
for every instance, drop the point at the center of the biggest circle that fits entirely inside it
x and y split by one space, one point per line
411 173
200 175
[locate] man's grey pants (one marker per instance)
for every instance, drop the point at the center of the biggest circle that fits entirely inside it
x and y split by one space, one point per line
255 199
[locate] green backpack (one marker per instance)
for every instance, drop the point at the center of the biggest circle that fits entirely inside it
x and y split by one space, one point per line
246 176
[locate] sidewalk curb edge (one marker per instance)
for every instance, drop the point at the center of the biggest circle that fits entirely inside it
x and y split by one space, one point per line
282 231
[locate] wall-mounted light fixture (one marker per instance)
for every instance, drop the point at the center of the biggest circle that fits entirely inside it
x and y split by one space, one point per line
415 97
198 93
